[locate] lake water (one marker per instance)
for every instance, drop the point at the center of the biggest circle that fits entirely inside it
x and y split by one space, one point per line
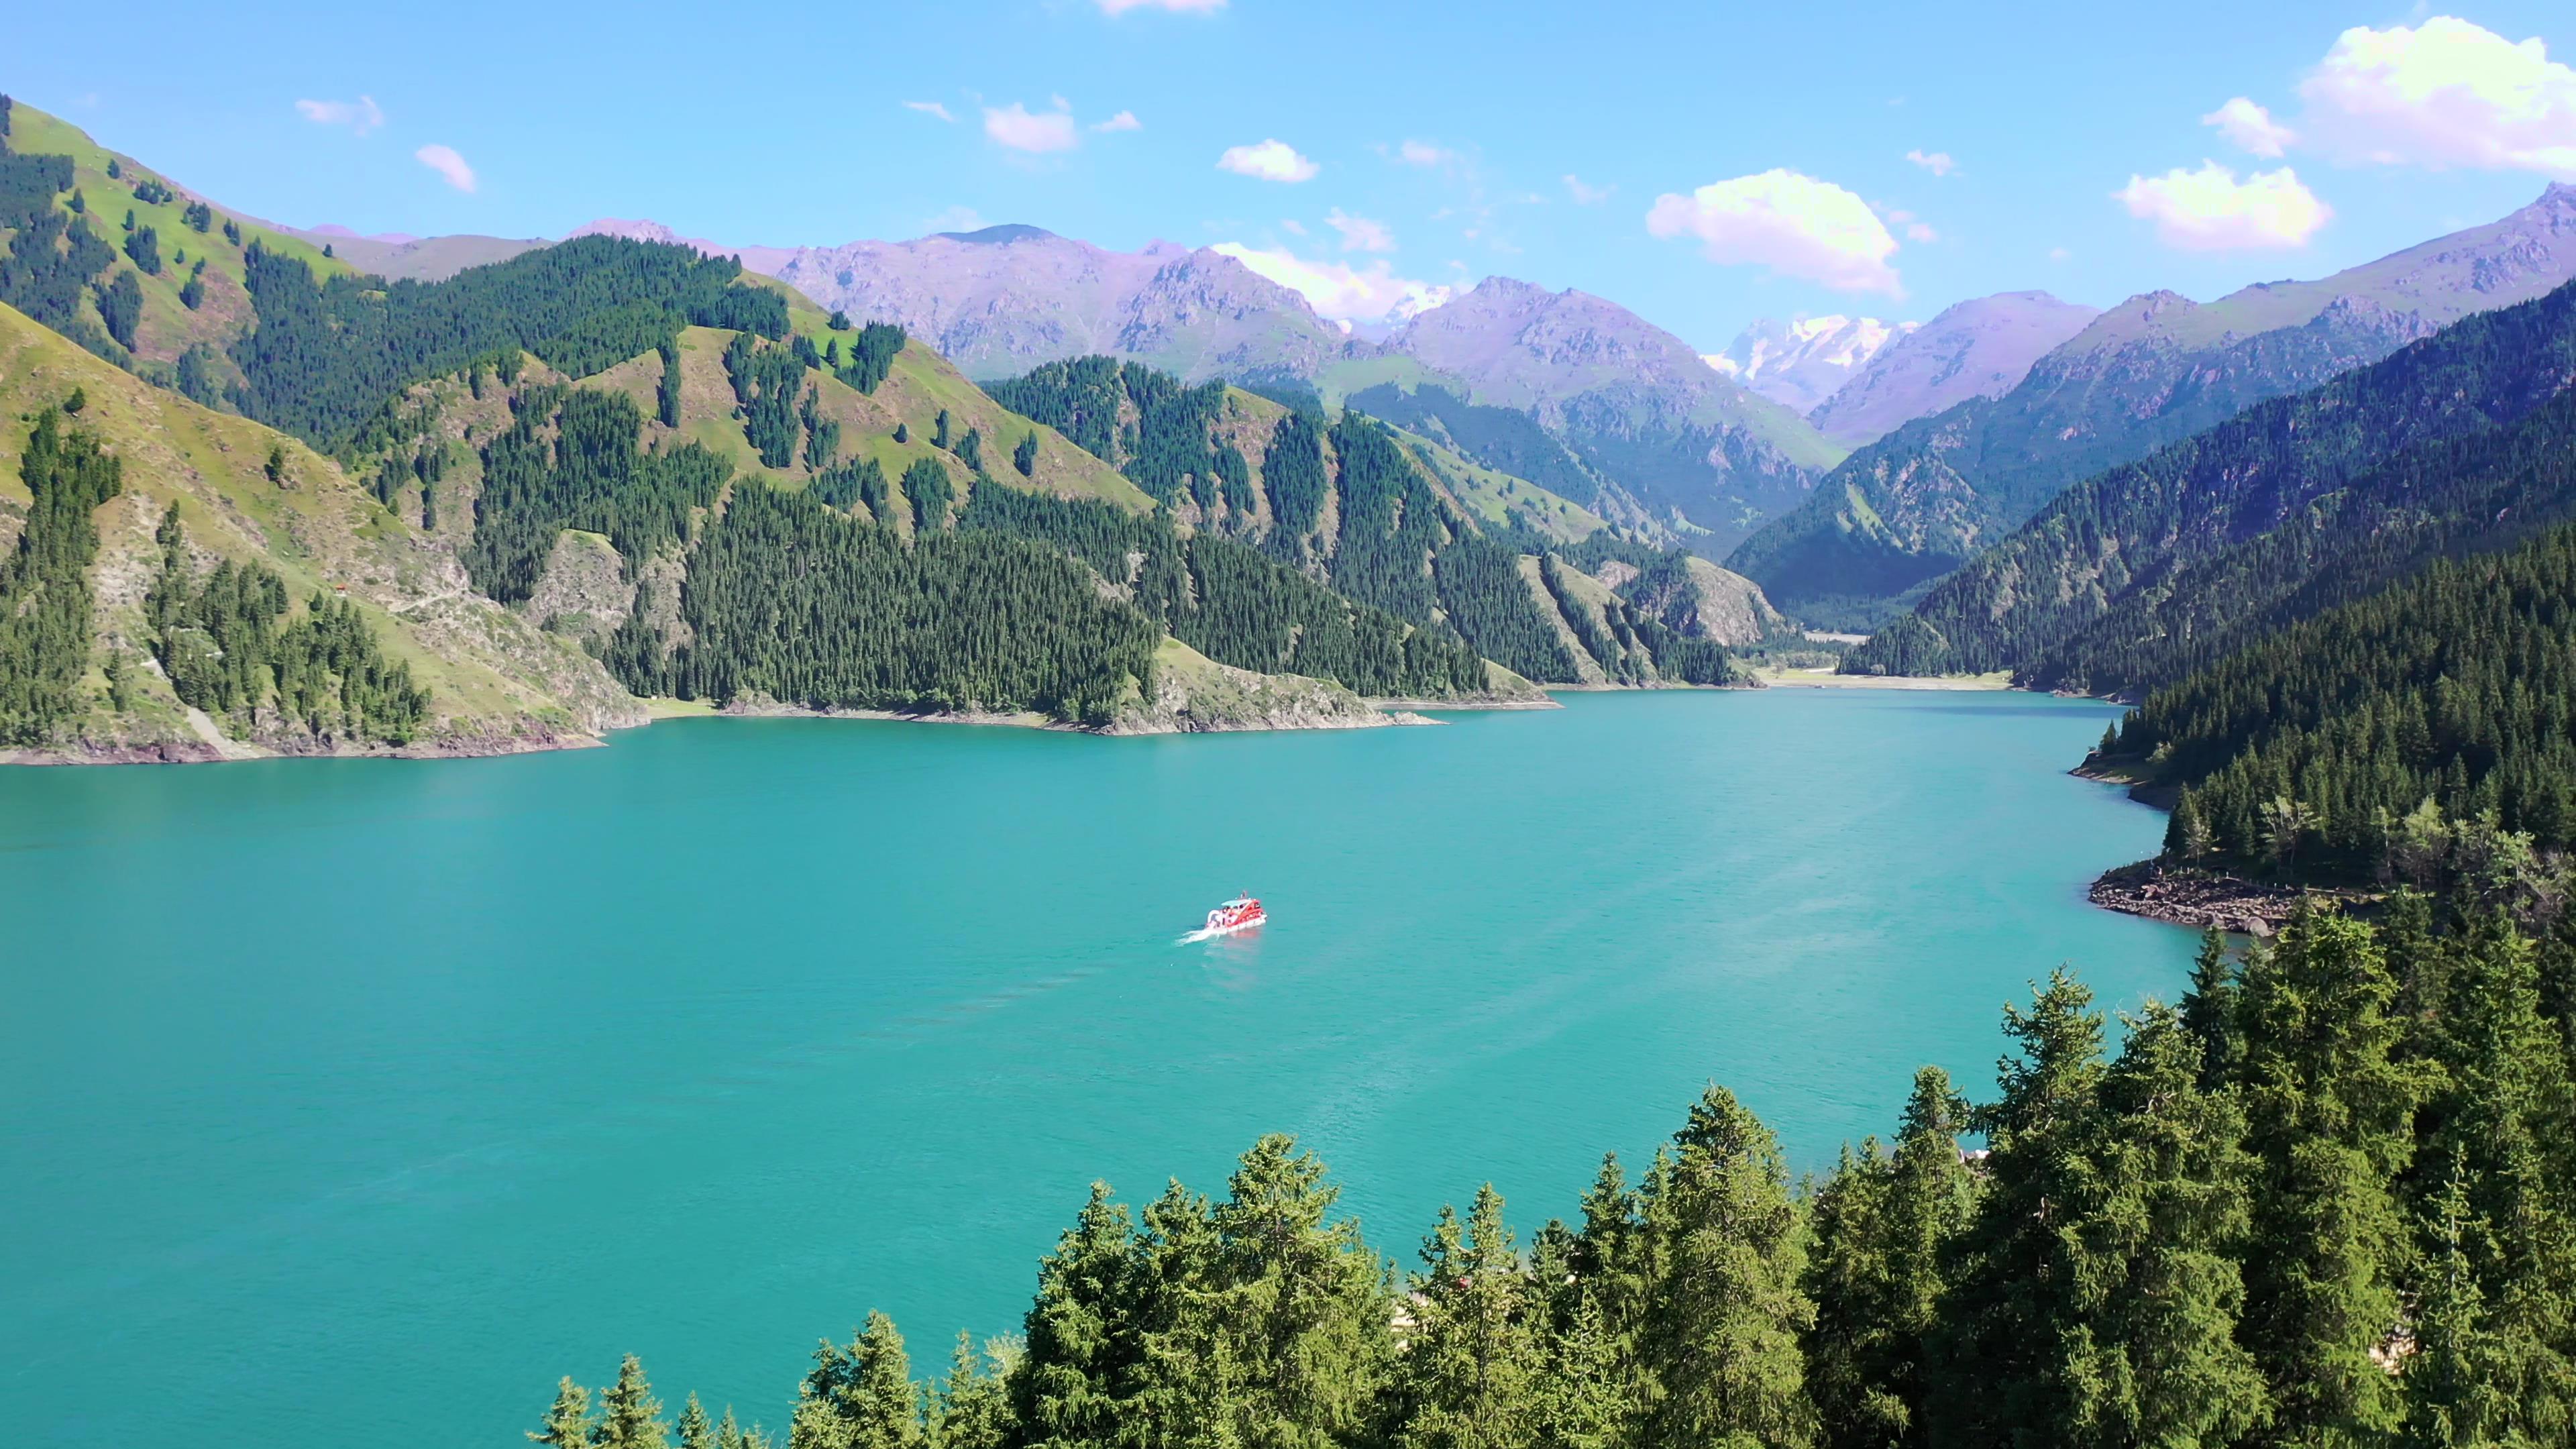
385 1092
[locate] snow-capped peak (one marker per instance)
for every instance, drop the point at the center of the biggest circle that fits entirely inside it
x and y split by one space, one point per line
1801 362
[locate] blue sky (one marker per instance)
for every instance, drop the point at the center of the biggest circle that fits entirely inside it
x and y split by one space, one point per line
2028 125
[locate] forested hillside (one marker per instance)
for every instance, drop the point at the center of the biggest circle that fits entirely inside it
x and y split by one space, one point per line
2366 742
2323 1199
717 491
123 261
2144 375
182 584
1389 522
2126 539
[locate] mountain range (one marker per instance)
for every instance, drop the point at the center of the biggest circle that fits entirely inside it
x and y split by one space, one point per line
1908 508
522 495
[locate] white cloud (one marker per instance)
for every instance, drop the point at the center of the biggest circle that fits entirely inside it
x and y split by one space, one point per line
930 108
1917 231
1586 195
1340 292
2209 210
445 161
2446 93
1359 234
1794 225
1123 121
1271 160
1021 129
361 115
1936 162
1423 153
2251 127
2058 254
1201 7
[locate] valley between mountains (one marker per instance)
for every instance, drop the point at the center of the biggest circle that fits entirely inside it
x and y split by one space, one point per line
464 495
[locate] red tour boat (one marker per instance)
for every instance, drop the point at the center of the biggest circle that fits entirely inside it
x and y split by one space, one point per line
1240 914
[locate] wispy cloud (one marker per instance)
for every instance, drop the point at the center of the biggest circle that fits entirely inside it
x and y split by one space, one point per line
2251 127
1037 132
1423 153
931 108
1585 195
1791 224
1271 160
1359 233
1936 162
1123 121
445 161
360 116
2210 210
955 218
1340 292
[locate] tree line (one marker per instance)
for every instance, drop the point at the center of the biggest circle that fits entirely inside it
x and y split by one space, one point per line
2313 749
1231 603
572 459
326 355
231 645
787 598
45 600
2325 1199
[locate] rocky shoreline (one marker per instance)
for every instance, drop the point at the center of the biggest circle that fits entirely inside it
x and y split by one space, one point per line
2201 898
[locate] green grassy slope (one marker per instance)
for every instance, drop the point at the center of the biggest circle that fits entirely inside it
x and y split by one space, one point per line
493 678
168 327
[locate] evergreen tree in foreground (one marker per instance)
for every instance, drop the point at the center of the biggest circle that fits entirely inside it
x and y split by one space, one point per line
1881 1227
1472 1356
2327 1115
1724 1317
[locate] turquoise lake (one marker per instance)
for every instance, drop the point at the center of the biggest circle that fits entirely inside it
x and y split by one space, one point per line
386 1092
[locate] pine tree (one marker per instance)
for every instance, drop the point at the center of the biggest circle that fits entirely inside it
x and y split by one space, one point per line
1083 1352
568 1423
2209 1010
859 1397
1585 1397
2151 1355
2327 1116
1992 1368
1882 1227
1300 1317
2457 1395
2498 1120
695 1431
972 1409
629 1416
1024 457
1723 1322
1471 1360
